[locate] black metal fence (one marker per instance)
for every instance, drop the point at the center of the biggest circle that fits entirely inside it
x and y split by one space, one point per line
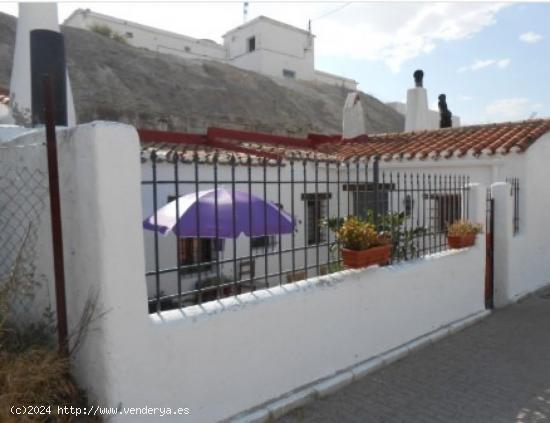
414 207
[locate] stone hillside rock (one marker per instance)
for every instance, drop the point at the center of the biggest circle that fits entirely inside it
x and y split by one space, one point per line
113 81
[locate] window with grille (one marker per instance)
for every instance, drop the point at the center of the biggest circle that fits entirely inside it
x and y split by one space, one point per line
262 241
316 213
365 198
445 209
196 251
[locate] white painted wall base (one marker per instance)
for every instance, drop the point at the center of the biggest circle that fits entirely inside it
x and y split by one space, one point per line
324 387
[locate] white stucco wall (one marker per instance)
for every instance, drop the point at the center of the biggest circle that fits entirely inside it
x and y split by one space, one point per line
433 115
278 46
218 359
150 38
527 258
329 78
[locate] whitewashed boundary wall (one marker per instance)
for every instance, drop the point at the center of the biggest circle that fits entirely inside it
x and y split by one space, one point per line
228 356
224 357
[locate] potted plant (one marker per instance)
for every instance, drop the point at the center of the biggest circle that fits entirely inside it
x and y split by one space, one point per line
362 245
462 233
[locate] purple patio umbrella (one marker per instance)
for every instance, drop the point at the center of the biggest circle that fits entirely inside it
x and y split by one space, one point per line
188 206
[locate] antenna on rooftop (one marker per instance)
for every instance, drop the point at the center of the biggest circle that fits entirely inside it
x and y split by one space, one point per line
245 11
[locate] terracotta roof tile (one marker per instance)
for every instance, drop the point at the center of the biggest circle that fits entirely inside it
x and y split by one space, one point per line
466 141
458 142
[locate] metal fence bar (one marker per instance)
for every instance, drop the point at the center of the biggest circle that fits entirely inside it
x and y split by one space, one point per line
156 235
279 217
266 245
234 224
216 223
196 249
317 210
327 234
55 213
292 211
178 246
251 263
306 227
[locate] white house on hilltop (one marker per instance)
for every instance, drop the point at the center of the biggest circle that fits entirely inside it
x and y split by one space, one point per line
261 45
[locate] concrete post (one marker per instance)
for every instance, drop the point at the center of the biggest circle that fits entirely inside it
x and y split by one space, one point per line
31 16
353 118
102 218
418 115
503 232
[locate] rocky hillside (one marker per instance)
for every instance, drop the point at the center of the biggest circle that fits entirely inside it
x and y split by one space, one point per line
113 81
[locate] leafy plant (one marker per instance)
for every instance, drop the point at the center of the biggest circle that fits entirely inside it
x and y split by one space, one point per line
463 227
356 234
393 228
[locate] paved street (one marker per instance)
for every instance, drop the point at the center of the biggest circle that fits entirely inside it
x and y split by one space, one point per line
495 371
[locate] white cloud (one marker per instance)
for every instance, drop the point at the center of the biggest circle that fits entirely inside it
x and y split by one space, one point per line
395 33
530 37
481 64
508 109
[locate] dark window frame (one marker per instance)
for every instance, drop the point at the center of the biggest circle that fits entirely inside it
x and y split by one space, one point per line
447 210
288 73
251 44
365 195
189 253
314 233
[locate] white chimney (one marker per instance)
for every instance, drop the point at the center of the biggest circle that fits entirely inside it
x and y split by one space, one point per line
32 16
418 115
353 119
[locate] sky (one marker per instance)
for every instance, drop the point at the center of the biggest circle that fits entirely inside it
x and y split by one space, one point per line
491 59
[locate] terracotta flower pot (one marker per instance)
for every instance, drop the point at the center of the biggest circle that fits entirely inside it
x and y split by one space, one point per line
364 258
461 241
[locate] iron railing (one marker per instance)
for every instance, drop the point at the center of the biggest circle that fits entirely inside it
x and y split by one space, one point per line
415 207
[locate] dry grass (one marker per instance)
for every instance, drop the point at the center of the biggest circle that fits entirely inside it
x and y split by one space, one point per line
32 372
36 377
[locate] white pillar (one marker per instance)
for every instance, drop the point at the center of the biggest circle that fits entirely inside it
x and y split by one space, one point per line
103 243
418 116
32 16
353 118
503 233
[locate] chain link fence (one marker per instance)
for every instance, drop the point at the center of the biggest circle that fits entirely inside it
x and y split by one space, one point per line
23 206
